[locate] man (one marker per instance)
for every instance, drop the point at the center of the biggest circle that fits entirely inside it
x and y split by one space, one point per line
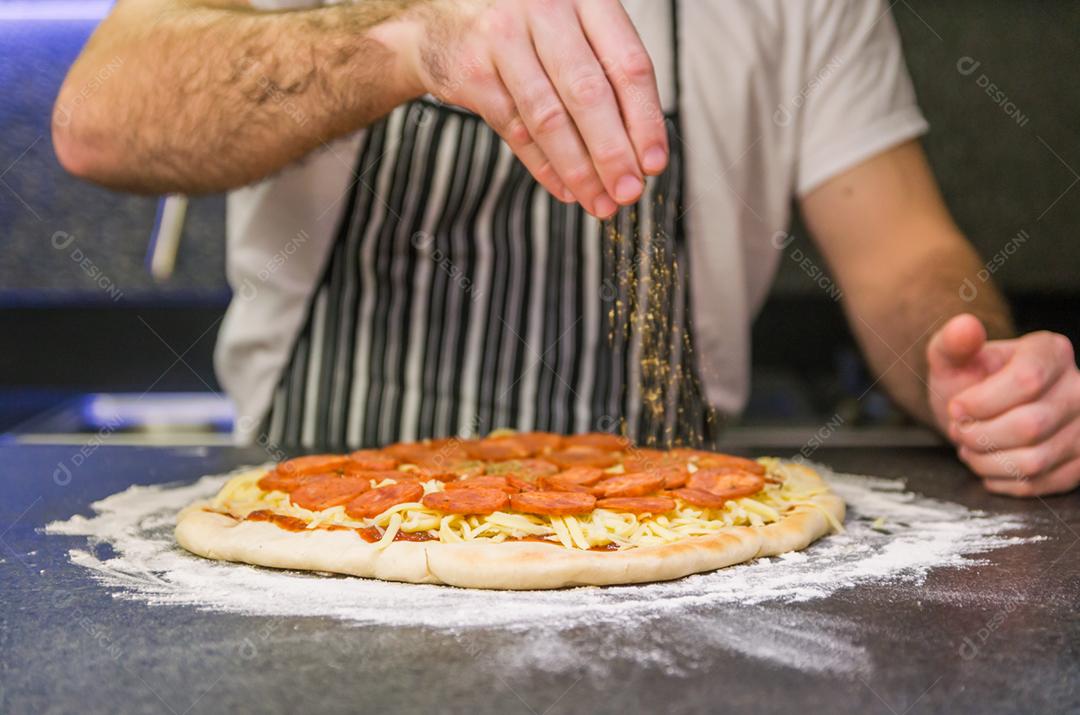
404 273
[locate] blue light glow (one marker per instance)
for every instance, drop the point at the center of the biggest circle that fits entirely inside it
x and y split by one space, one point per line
21 10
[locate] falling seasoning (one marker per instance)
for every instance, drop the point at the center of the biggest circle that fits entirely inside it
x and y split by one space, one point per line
646 318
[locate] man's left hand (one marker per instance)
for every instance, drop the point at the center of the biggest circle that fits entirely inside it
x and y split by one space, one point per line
1012 407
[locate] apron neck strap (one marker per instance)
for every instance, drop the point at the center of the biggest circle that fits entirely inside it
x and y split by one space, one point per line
676 52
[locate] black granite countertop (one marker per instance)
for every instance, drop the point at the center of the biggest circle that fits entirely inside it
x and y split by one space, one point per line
68 645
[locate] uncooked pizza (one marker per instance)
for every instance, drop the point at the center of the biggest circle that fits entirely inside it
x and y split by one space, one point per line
514 511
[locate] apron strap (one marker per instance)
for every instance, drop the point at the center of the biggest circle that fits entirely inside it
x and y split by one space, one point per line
676 52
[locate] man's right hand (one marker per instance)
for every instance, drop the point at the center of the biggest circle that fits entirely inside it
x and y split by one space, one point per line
567 84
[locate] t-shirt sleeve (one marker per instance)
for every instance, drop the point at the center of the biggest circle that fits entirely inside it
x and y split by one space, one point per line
859 100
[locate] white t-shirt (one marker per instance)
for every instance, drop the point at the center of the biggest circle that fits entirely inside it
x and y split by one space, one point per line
778 97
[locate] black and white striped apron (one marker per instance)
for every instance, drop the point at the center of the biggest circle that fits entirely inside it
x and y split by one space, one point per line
460 297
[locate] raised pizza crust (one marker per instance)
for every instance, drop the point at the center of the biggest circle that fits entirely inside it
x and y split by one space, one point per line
508 565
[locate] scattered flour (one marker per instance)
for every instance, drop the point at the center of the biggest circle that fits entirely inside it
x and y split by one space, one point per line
754 609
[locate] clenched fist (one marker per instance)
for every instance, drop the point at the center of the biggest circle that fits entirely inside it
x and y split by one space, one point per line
1012 407
566 83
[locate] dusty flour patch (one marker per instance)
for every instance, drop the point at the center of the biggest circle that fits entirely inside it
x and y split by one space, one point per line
131 548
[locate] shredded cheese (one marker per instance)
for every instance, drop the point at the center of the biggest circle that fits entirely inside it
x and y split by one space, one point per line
392 527
242 495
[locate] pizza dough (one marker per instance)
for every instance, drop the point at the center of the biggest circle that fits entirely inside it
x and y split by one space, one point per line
245 523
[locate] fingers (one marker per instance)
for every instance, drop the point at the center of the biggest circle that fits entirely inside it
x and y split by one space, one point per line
1023 426
494 103
586 92
1019 428
1025 462
616 43
546 118
1063 479
1039 361
959 357
957 342
581 137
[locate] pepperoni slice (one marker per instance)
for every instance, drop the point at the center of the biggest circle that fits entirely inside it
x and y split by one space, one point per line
674 477
371 504
586 476
629 485
486 481
555 483
454 465
382 475
313 464
700 497
370 460
524 468
469 468
540 442
582 456
637 505
726 483
448 449
641 459
520 485
444 470
576 479
328 492
553 503
496 449
467 501
277 481
450 446
715 459
603 441
425 475
409 452
727 461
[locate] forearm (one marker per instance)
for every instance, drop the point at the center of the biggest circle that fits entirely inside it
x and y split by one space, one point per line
898 310
207 98
903 264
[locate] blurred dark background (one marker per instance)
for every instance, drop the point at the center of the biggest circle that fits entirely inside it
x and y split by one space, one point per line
98 322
